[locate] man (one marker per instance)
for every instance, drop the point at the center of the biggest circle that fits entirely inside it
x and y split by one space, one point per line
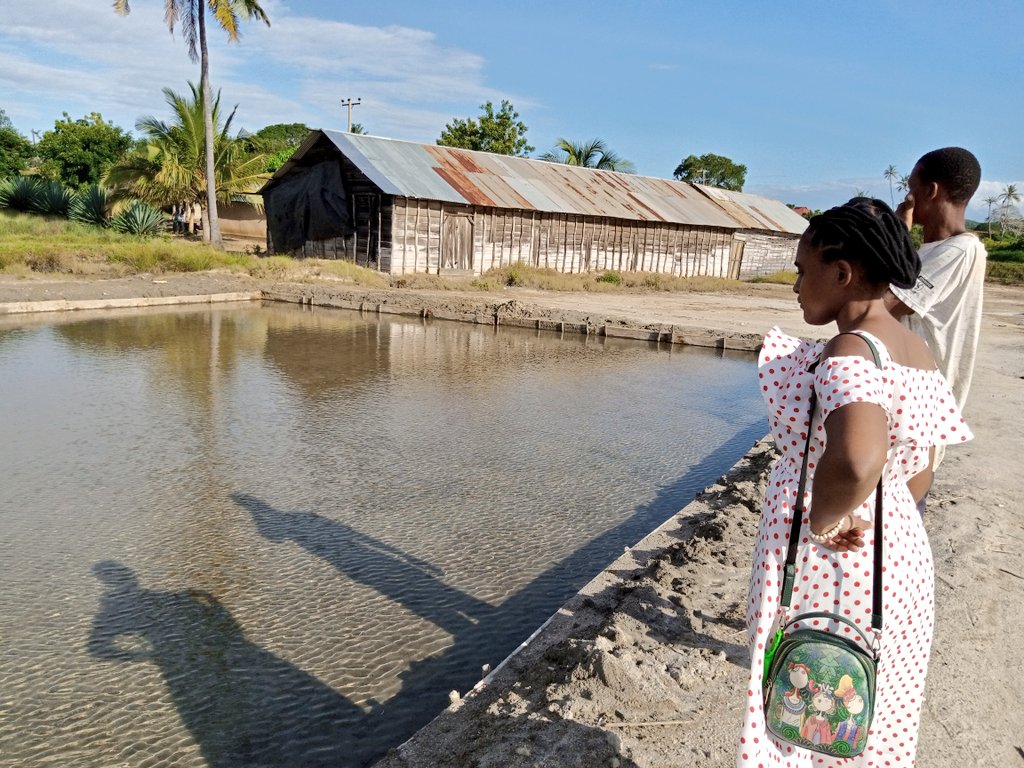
945 305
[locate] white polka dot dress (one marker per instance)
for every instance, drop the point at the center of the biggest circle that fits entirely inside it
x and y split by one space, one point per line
922 412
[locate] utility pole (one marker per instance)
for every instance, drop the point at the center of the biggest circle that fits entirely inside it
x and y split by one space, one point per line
350 103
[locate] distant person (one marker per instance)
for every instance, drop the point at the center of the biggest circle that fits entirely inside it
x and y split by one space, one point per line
944 305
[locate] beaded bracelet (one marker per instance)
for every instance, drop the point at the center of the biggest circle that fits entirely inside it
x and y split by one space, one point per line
821 538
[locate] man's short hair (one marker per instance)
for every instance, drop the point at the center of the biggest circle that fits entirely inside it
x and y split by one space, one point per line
954 169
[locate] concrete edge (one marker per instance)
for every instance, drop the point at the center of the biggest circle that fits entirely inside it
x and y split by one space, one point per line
61 305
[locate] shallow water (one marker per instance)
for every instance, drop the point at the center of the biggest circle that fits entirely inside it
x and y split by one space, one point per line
254 536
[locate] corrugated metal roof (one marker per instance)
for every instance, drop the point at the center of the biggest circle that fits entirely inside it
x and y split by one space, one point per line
447 174
757 212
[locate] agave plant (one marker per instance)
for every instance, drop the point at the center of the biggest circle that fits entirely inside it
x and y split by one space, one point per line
90 207
139 219
20 193
53 199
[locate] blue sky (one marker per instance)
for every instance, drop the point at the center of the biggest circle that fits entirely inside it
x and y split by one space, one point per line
815 98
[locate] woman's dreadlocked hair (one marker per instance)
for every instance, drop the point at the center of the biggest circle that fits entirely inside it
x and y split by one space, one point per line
867 232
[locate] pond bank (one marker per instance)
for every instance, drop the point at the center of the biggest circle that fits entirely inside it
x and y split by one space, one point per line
645 667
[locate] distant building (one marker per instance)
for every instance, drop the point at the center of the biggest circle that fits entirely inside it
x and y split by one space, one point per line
402 208
803 210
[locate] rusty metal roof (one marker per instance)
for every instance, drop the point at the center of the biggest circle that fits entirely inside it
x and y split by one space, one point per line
447 174
755 211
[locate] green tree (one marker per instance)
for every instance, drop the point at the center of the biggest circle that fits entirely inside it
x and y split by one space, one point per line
588 154
76 153
502 133
358 128
891 173
712 170
15 149
192 16
276 143
170 166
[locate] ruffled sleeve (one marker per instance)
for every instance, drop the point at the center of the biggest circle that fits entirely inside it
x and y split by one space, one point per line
784 375
840 381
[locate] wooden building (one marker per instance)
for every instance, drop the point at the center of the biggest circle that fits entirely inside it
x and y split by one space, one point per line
402 207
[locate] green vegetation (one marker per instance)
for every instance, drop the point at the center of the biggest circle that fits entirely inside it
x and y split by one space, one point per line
15 149
76 153
169 167
33 243
782 277
1005 260
588 154
502 133
713 171
192 18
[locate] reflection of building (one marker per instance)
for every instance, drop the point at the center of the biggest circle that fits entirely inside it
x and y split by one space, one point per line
405 207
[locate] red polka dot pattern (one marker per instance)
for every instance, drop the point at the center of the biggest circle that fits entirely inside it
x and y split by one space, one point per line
922 412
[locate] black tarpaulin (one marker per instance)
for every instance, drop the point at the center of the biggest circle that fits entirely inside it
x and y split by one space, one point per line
310 204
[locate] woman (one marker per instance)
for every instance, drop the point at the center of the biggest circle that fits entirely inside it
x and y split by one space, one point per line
869 422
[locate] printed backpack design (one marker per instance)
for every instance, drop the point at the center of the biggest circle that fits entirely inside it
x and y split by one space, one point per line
819 693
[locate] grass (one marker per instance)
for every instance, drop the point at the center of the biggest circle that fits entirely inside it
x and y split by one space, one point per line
32 243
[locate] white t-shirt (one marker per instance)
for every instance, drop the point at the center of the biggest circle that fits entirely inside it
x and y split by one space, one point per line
947 306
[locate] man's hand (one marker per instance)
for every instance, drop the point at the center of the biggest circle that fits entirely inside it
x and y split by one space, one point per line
905 211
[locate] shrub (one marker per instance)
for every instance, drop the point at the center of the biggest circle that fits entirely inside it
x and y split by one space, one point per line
53 199
516 274
610 277
90 207
19 193
139 219
1005 272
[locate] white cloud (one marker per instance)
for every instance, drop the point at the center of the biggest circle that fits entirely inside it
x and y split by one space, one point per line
69 55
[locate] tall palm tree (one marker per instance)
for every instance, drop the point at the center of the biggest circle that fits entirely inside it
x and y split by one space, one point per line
1009 197
191 14
170 168
890 174
990 201
588 154
903 184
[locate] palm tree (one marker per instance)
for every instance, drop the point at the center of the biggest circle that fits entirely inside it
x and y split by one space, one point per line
192 16
990 201
903 184
1009 198
170 168
590 154
890 174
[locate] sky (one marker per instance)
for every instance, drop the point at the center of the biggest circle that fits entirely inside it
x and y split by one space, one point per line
816 98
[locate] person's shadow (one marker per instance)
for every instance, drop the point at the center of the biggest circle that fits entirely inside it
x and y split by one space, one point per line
244 706
396 574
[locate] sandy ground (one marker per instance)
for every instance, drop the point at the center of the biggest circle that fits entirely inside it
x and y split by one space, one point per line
646 666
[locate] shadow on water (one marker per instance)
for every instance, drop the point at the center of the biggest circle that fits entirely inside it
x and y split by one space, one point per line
244 706
481 633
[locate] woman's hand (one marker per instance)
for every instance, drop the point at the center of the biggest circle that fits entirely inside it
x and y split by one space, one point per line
850 537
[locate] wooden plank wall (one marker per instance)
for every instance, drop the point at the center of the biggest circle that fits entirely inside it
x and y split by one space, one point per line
764 254
562 242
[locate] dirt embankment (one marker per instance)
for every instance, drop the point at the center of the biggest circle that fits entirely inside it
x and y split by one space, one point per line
646 666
